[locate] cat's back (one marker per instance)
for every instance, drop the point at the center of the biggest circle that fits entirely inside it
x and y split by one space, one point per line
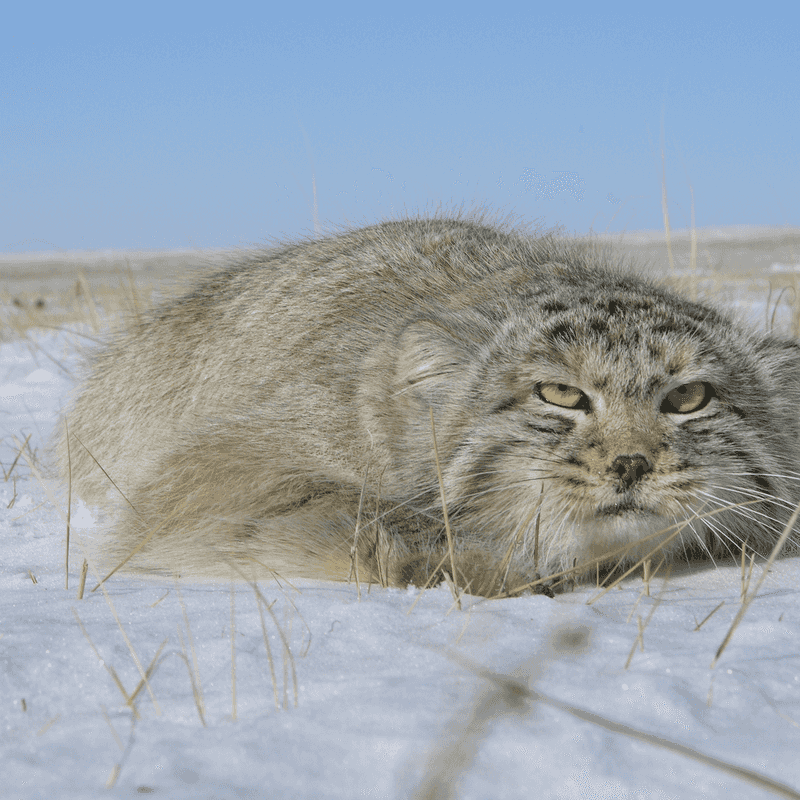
291 324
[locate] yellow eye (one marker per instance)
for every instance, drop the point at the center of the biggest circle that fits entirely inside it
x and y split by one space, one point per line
559 394
687 398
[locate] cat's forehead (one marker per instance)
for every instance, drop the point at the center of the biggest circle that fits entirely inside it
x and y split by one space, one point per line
608 296
625 313
627 338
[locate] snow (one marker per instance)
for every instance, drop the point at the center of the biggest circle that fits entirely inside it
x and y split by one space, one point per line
397 693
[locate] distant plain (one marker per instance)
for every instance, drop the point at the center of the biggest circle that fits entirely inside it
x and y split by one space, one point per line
729 265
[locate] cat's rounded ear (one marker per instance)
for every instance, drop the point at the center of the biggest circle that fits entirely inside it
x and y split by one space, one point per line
782 360
429 355
782 356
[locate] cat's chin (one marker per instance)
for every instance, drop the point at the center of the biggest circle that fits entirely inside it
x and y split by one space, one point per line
628 534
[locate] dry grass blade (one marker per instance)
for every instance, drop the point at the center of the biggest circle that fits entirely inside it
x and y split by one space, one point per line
22 446
747 570
176 512
69 505
82 581
645 591
233 651
449 532
142 672
286 659
510 695
36 474
643 625
113 729
112 778
144 541
787 532
193 679
693 249
447 763
664 205
148 672
708 616
638 564
136 300
536 532
102 469
505 563
130 555
270 660
427 584
13 499
771 322
49 724
354 548
194 671
86 292
287 652
111 671
750 776
596 562
383 542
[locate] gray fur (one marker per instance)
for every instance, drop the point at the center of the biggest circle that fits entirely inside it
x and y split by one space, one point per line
242 421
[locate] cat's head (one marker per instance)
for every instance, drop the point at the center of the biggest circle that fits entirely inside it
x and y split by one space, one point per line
611 415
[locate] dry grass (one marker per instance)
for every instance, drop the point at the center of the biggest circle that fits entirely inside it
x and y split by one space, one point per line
78 305
92 291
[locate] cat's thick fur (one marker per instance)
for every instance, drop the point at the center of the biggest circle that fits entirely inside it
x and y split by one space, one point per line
574 403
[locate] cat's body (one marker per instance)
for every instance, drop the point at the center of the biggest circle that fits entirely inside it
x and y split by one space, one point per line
247 423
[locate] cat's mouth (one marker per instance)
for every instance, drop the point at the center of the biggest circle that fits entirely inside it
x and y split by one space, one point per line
624 507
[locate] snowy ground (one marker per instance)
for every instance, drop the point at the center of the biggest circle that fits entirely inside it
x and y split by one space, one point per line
382 696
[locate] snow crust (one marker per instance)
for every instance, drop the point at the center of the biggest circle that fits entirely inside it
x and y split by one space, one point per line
394 691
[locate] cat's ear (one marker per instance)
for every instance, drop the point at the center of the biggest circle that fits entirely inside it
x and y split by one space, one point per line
429 355
782 358
782 355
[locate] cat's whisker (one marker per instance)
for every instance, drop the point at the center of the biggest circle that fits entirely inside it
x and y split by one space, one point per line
750 511
760 520
791 475
750 491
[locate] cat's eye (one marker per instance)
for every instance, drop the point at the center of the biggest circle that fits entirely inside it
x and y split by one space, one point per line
687 398
560 394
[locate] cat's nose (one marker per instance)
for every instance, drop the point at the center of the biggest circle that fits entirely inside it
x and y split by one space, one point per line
630 469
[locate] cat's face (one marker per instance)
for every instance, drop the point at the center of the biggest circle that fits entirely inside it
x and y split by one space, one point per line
621 425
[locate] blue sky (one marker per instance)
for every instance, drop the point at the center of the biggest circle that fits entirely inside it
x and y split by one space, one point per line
175 125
